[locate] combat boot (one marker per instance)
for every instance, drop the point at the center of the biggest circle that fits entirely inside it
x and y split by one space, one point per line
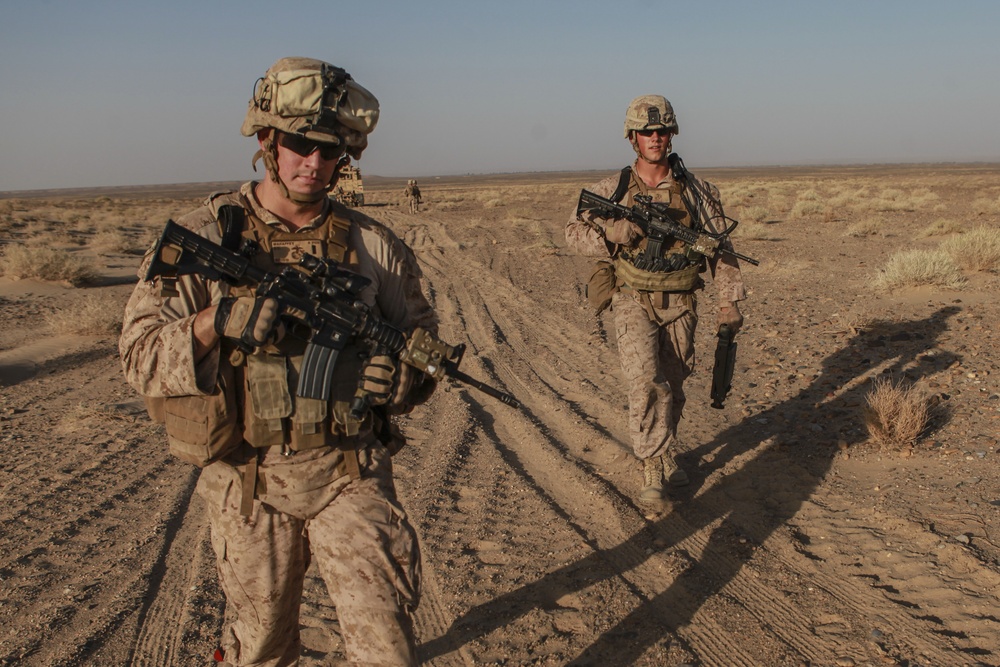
672 472
652 480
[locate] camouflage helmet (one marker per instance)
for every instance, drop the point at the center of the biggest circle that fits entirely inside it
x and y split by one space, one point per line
650 112
315 99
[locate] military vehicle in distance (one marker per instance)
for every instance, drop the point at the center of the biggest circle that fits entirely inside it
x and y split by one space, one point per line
350 191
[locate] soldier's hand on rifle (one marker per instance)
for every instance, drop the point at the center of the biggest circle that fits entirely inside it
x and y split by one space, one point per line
729 313
622 232
386 381
254 321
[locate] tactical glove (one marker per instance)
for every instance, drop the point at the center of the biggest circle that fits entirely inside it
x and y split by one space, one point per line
251 321
377 379
622 231
729 313
387 382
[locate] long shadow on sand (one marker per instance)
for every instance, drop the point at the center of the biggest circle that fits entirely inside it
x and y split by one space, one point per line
776 459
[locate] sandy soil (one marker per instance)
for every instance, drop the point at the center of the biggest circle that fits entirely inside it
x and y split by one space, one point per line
797 543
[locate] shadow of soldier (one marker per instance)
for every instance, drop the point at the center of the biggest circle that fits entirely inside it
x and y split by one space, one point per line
775 459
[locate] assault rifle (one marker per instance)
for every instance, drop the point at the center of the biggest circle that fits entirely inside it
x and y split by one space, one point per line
725 362
654 221
325 297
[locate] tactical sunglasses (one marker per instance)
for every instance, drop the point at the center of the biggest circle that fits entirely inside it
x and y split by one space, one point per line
305 147
662 132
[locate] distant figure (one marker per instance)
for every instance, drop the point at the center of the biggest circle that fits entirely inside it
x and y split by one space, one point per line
653 299
412 195
288 479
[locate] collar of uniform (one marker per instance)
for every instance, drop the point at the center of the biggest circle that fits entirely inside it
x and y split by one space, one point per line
664 184
268 218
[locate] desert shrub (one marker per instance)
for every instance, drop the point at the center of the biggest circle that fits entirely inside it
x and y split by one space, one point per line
754 231
895 414
755 213
923 197
913 268
984 206
804 208
940 227
978 250
46 263
113 240
866 227
91 315
53 239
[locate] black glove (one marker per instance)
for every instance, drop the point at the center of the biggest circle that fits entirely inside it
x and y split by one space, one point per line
249 320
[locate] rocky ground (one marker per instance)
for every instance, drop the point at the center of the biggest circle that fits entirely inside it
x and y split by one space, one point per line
798 542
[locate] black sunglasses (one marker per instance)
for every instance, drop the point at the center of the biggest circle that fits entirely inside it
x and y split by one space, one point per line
305 147
659 131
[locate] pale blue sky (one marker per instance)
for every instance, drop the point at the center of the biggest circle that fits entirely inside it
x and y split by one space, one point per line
128 93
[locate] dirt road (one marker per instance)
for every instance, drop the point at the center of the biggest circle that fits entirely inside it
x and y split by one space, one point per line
795 544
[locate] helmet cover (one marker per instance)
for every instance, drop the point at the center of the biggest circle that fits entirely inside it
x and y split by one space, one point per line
650 112
314 99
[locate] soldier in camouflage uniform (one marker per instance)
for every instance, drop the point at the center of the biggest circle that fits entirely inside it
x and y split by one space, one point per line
655 312
291 479
412 195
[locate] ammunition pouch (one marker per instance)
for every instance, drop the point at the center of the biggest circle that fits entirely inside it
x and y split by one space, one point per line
684 280
201 429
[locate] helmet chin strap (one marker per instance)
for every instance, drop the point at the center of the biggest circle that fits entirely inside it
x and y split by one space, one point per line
269 153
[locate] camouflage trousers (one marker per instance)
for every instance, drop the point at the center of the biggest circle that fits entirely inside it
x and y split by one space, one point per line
414 204
365 549
656 358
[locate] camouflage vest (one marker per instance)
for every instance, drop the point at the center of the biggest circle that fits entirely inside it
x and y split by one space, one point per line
630 276
272 414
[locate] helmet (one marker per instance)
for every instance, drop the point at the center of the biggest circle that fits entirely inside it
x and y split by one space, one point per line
650 112
315 99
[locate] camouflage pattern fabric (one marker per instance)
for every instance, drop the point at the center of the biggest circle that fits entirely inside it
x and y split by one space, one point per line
361 539
656 356
655 359
364 547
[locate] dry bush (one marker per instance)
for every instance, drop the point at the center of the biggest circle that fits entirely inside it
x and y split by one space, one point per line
46 263
91 315
867 227
978 250
985 206
114 240
804 208
895 414
754 231
913 268
755 213
53 239
940 227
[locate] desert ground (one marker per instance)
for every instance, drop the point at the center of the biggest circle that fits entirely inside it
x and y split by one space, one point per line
802 540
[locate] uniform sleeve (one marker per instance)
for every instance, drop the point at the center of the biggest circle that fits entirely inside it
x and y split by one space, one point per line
725 268
157 340
585 235
398 289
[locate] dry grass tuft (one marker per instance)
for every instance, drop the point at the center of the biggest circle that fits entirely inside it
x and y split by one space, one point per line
867 227
940 227
895 414
914 268
45 263
978 250
91 315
